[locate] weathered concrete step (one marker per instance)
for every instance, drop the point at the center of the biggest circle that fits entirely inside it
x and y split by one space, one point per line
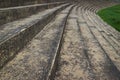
114 42
81 55
101 65
108 29
95 5
15 13
73 62
37 60
110 34
13 3
96 24
15 35
111 53
80 15
109 50
103 39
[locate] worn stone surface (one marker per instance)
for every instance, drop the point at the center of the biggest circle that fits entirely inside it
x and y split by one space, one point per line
12 3
35 61
15 35
14 13
74 64
87 53
82 48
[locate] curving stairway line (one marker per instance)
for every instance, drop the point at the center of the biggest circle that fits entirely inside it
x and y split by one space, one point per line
67 41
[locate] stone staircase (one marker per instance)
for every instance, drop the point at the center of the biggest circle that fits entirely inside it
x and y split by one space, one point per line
58 41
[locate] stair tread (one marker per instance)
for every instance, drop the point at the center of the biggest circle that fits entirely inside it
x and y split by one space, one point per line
100 55
73 61
39 55
15 27
17 7
102 39
75 45
114 42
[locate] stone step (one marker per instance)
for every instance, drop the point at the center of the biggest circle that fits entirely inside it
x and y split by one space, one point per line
14 13
37 61
79 46
15 35
99 63
108 48
99 25
73 63
93 21
107 28
13 3
105 53
83 56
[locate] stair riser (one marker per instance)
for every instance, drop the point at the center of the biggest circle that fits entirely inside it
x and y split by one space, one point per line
10 47
8 15
55 65
12 3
